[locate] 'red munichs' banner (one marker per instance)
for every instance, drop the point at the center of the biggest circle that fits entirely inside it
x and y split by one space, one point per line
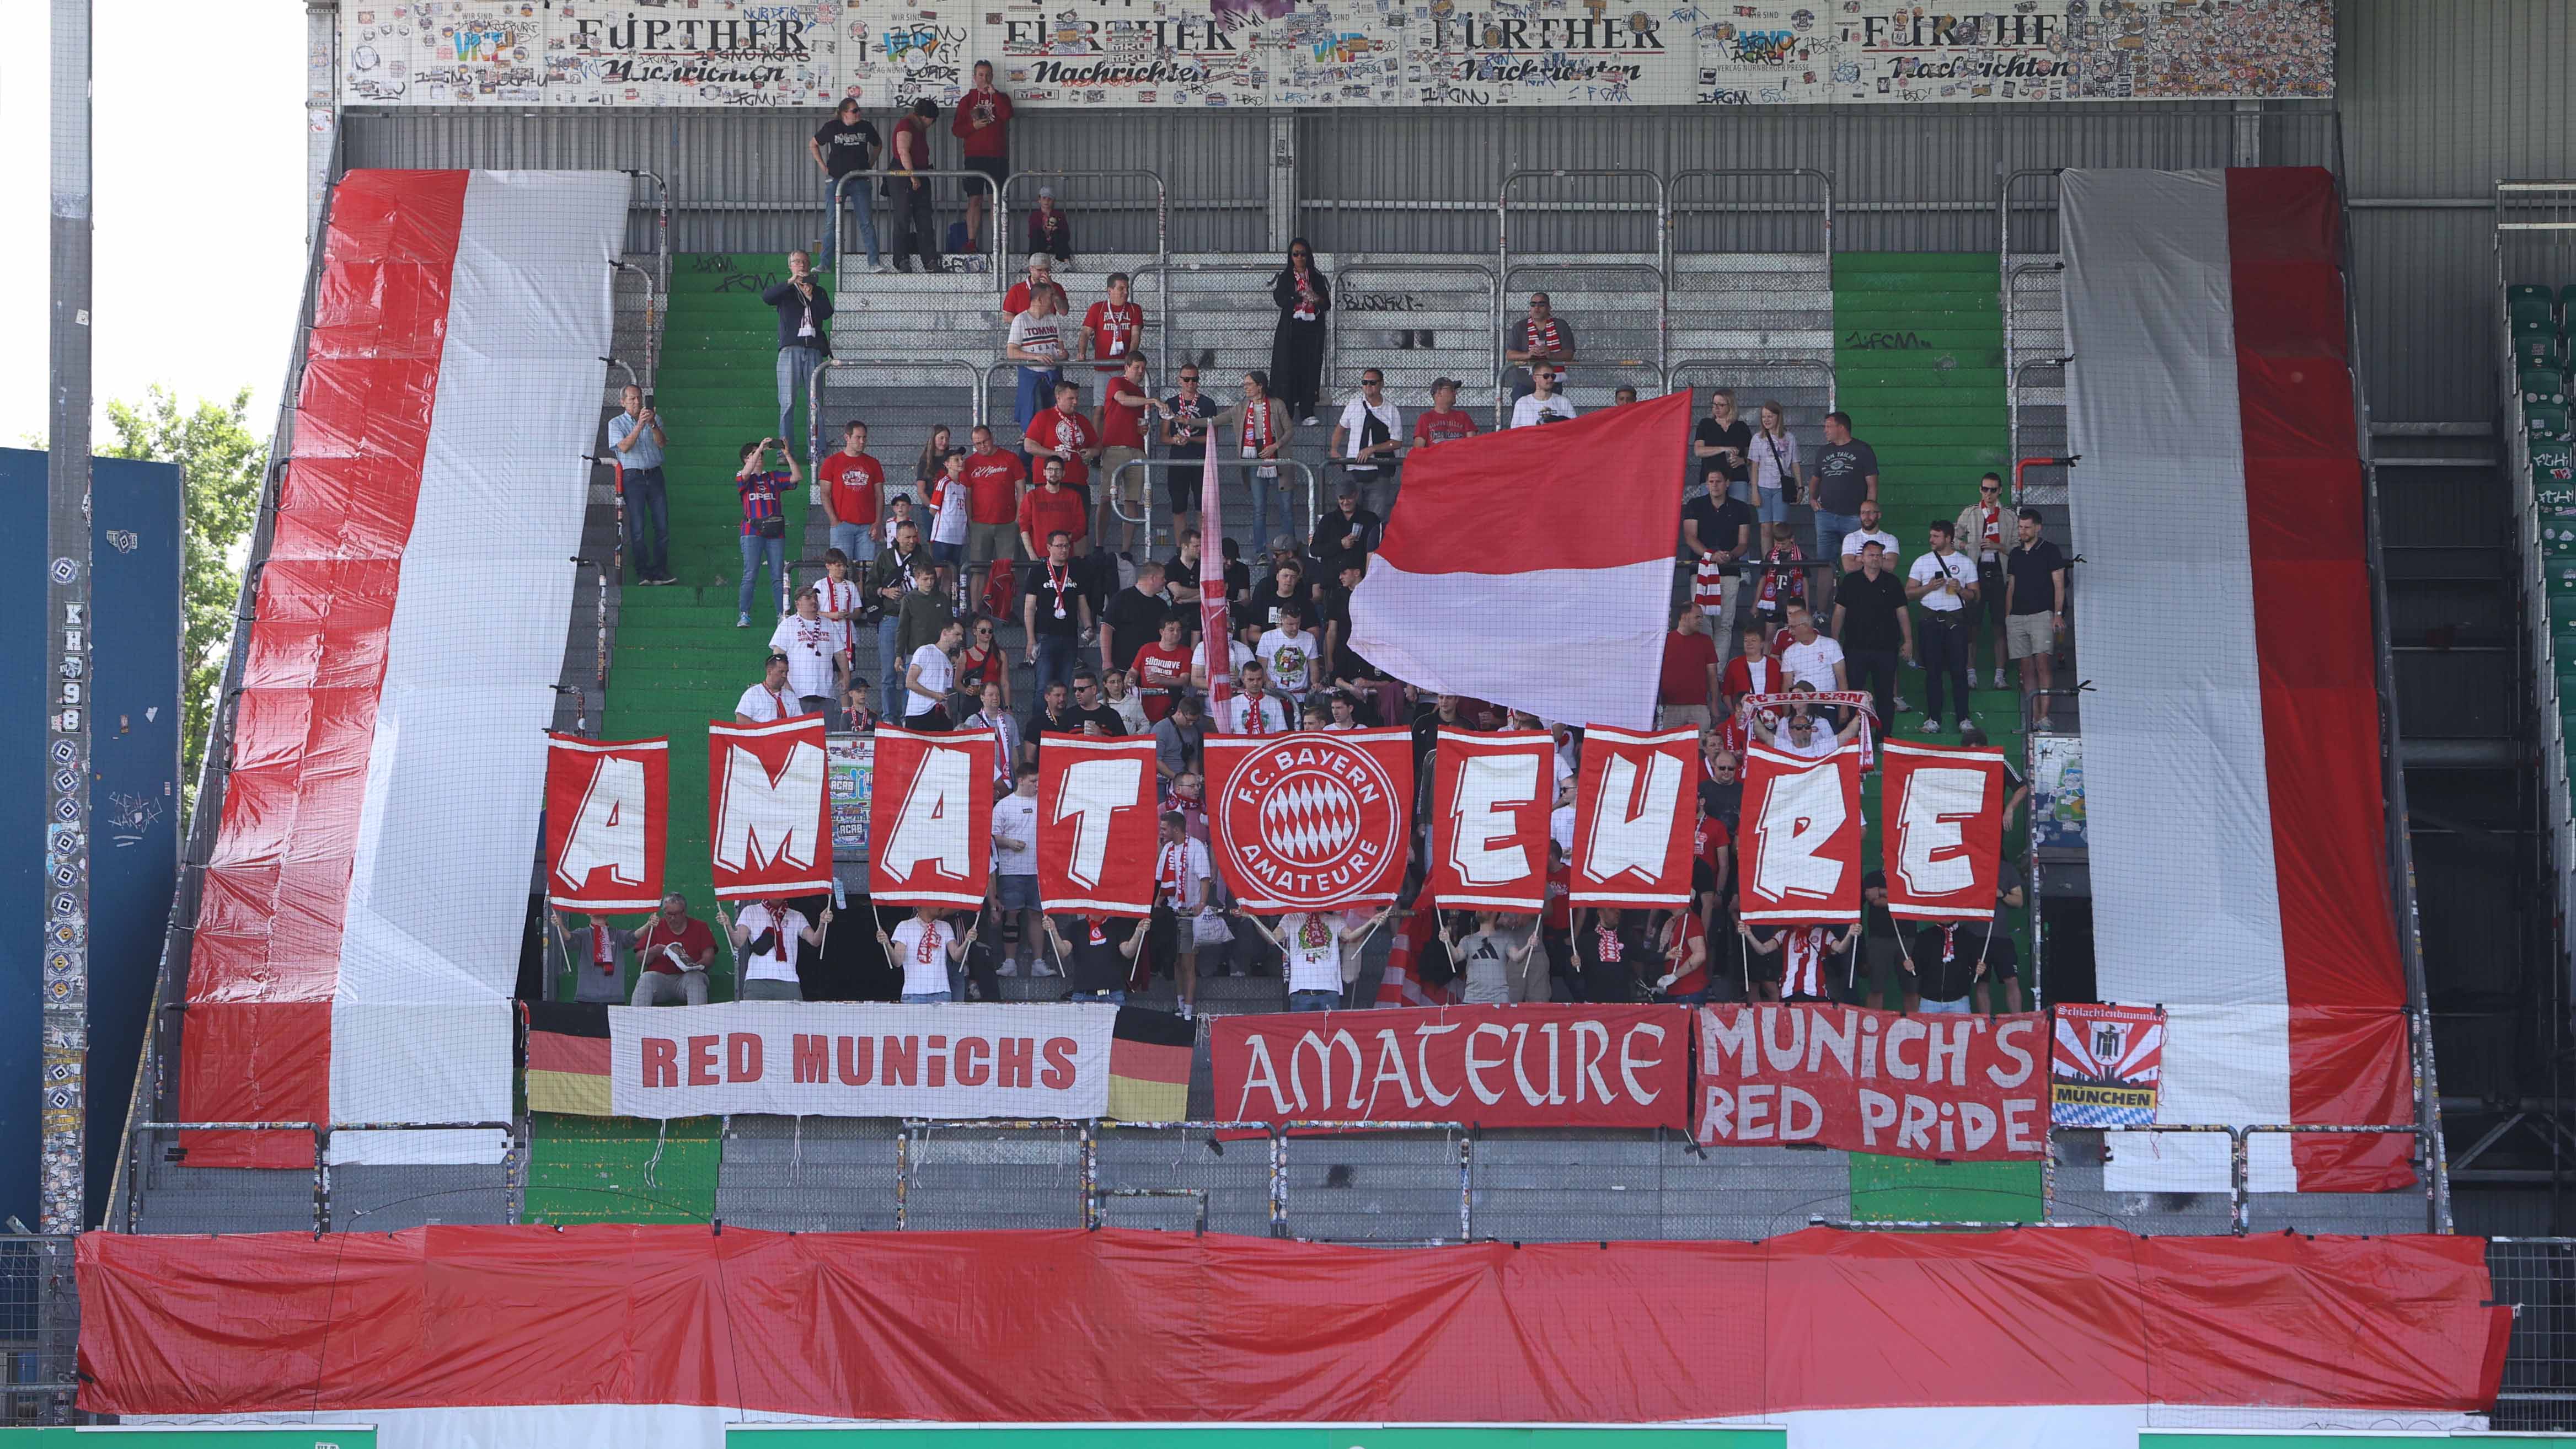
930 820
1798 849
608 816
1096 825
1309 821
1634 814
1490 799
1944 835
769 826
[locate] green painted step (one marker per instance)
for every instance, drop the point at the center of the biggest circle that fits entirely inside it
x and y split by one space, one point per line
620 1170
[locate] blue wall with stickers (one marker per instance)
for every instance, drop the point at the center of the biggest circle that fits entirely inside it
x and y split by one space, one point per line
135 795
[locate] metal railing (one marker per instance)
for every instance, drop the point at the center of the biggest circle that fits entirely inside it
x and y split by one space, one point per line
2014 273
979 378
1676 208
39 1330
1346 289
1162 231
2240 1211
1660 248
1606 362
1297 466
1821 367
128 1204
838 196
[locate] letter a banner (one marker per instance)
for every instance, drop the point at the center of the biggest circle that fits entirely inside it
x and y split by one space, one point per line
769 824
1945 830
1096 831
1634 812
931 820
1490 798
1798 846
608 812
1309 821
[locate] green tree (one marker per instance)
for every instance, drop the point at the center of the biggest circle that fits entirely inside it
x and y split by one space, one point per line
219 464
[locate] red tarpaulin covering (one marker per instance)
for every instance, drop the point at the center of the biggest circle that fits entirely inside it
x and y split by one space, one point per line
1131 1325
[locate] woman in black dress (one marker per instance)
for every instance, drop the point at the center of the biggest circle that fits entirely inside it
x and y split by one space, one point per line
1297 348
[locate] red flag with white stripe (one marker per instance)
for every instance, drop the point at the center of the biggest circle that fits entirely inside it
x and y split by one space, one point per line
1944 836
1599 591
1634 814
769 821
608 815
1490 799
1096 825
930 820
1798 852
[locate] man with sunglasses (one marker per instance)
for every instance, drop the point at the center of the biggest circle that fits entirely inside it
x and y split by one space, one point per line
1367 437
1985 534
1187 416
1542 336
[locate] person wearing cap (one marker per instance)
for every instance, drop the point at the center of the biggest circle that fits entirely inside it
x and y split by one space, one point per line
767 701
1050 230
1542 336
1345 533
1444 421
1366 438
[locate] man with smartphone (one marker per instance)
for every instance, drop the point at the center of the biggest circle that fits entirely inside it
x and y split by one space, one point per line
804 309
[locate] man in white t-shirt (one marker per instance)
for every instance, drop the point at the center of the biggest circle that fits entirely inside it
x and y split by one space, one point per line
1368 436
922 947
837 596
1255 710
808 640
1812 659
1312 944
1869 532
1544 404
1288 652
1181 872
764 940
1015 870
769 700
1943 583
930 676
1808 737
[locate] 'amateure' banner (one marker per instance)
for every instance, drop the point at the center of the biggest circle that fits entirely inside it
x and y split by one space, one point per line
1490 1066
860 1059
1963 1088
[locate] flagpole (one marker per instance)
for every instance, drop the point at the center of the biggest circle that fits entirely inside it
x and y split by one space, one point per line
1212 601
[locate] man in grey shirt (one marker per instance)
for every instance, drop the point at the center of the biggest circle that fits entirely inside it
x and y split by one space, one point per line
1542 336
1845 475
635 442
1178 739
1494 961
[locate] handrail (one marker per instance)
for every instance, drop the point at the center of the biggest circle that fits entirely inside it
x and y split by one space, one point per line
1672 375
1304 469
652 337
1162 230
1503 365
840 185
1826 177
662 255
981 375
2013 273
1341 308
1660 251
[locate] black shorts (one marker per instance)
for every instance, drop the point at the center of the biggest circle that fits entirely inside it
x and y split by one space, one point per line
996 167
1162 939
1990 594
1181 489
2003 961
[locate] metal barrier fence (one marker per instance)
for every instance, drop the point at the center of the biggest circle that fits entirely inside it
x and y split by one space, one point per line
1290 467
39 1330
836 197
126 1209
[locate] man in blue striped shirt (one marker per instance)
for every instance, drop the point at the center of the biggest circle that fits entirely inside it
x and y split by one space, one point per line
635 440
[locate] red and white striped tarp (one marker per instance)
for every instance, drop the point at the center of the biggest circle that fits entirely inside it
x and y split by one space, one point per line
368 888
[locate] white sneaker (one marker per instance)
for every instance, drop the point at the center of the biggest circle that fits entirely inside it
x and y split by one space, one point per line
880 269
1931 727
1900 706
1188 1013
1999 679
1040 968
1310 420
1008 967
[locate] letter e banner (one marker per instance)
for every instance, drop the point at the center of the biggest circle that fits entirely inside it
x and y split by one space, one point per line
1945 830
769 825
608 812
931 819
1490 799
1096 825
1798 848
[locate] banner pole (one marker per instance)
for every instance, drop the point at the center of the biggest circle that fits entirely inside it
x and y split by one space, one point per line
1214 635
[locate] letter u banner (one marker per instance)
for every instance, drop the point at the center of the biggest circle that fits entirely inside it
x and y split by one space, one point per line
931 820
608 814
1634 811
769 824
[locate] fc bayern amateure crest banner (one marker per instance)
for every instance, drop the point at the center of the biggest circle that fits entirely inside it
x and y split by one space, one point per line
1490 799
1096 834
769 824
608 813
1310 821
930 819
2105 1063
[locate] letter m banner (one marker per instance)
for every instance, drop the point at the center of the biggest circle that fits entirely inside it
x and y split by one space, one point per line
768 819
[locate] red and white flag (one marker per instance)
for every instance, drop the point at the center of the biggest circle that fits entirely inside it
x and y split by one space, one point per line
1399 983
1096 825
1798 853
608 814
1310 821
1490 799
1480 536
769 821
1945 830
1216 626
930 820
1634 814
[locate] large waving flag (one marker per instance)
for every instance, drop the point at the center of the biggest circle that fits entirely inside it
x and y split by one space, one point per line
1514 558
2238 825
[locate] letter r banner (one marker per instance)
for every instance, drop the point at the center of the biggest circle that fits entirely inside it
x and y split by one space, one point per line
1798 851
769 824
608 814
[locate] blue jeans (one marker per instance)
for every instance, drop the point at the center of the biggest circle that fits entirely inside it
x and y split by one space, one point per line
1037 394
856 541
795 371
889 668
1831 529
859 199
1741 490
1959 1007
753 548
1055 660
1266 495
648 523
1114 998
1773 507
1314 1001
926 998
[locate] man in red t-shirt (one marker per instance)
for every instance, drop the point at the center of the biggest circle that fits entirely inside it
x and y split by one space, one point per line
852 484
1690 672
1063 431
673 932
1123 401
1049 507
1112 330
1161 671
993 479
982 126
1446 421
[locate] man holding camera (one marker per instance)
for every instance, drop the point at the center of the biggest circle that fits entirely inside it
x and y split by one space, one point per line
803 338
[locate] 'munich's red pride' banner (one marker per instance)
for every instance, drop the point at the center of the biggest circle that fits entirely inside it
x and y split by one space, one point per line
1956 1087
1491 1066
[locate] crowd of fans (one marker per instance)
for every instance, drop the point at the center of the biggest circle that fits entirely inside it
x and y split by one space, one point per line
922 575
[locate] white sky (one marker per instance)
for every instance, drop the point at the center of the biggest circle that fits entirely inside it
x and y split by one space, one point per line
197 170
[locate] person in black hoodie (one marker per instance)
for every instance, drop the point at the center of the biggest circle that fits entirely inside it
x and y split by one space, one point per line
1297 348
